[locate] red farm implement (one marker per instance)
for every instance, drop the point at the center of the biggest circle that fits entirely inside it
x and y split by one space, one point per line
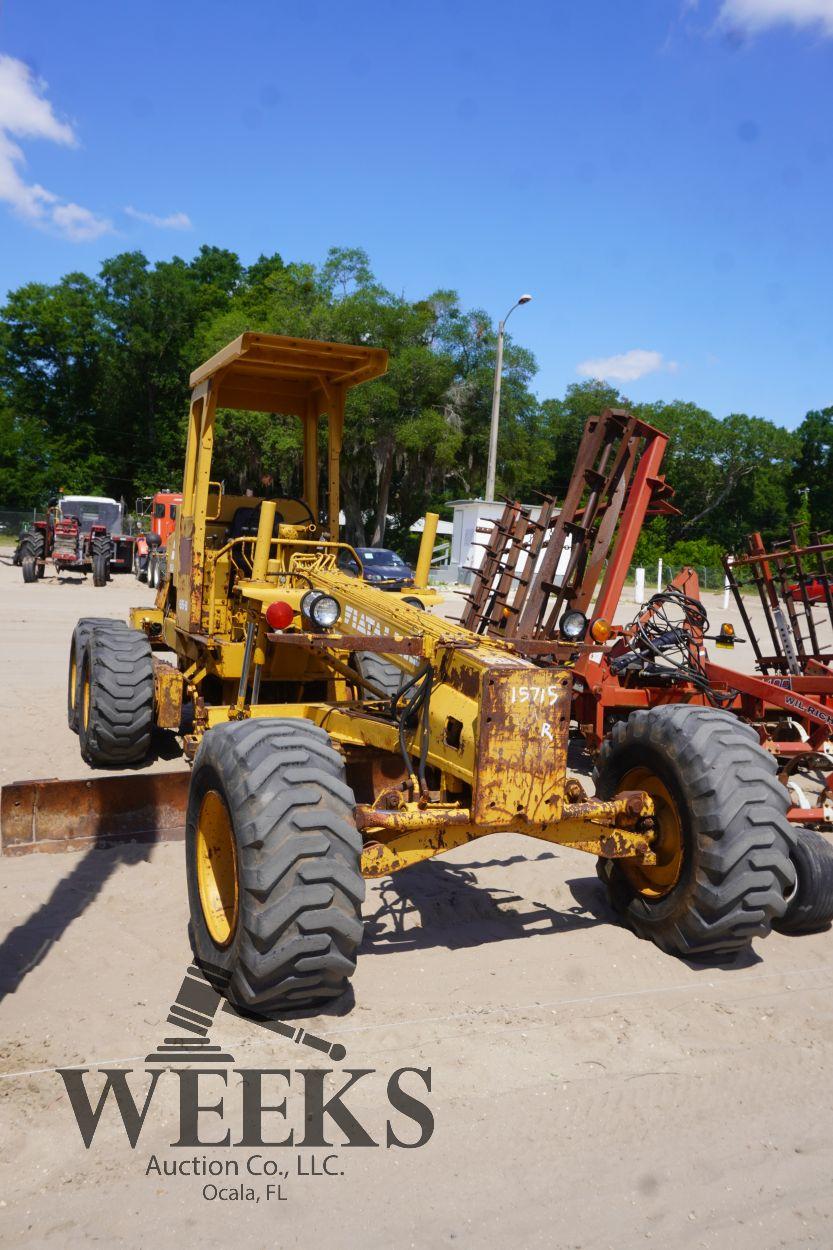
559 576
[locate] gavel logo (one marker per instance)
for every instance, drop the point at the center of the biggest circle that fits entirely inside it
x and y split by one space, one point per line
194 1009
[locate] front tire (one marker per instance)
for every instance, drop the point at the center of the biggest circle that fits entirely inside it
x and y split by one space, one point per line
115 709
273 861
100 552
28 566
724 872
32 563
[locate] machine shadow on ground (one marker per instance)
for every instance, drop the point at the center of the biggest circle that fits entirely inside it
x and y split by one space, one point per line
439 904
591 897
30 942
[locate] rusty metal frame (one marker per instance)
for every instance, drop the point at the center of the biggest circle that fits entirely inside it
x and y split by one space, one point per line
773 574
518 592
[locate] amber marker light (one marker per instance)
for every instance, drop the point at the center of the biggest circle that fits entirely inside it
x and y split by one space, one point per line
601 630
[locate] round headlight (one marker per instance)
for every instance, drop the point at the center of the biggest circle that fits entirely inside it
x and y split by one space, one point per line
573 625
322 609
325 611
308 600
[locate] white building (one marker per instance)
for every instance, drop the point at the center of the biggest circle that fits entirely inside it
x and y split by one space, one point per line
470 531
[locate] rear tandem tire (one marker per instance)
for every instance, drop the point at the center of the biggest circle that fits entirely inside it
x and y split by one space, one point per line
811 906
76 660
734 874
115 709
383 673
273 860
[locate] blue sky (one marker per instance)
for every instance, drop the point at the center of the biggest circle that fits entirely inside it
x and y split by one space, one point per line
658 173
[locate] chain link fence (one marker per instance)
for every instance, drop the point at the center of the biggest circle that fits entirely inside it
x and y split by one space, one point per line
710 578
13 523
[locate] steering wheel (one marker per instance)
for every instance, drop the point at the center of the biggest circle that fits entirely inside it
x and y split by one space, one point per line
304 505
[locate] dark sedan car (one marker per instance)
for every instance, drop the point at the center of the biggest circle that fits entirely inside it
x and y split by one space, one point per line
381 566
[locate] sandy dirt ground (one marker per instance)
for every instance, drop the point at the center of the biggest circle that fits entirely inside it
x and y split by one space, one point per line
587 1091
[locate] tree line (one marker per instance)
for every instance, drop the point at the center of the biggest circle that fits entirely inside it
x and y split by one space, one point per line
94 388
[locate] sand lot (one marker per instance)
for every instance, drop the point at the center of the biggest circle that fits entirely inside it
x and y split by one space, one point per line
587 1090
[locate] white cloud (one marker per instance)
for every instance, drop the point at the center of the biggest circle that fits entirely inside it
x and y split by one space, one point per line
626 367
756 15
26 113
77 223
174 221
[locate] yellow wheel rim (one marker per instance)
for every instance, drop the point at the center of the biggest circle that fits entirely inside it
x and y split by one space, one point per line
86 700
73 680
656 880
216 855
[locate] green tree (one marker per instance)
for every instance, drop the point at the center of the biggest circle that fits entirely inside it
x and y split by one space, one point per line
814 465
563 425
51 363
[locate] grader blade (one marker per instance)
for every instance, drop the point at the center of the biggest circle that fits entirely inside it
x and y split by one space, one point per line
52 815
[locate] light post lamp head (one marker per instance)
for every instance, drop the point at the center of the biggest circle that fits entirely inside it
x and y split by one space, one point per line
524 299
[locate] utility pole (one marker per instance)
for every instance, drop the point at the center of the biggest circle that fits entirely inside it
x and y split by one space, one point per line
493 430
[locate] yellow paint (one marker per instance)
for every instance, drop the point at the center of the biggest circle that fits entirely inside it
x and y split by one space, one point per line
426 551
216 864
659 879
497 722
73 680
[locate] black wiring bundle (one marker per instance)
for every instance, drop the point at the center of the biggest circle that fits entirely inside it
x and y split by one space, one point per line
663 643
420 685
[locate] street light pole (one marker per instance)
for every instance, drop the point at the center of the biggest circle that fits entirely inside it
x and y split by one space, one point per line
493 429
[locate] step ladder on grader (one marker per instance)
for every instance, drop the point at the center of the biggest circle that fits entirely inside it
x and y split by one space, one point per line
338 732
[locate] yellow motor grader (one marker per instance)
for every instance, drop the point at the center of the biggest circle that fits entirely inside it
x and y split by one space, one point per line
338 732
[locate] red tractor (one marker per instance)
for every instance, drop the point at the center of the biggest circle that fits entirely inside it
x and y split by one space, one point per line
81 532
157 521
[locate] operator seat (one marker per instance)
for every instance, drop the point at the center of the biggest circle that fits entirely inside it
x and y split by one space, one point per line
245 521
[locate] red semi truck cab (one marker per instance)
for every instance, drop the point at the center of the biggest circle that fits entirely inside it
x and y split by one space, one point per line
157 518
162 514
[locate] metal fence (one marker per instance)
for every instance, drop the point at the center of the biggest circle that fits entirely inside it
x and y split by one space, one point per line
710 578
14 522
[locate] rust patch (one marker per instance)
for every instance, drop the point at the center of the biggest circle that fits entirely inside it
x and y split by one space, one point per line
168 689
521 753
350 642
381 859
51 815
376 778
185 553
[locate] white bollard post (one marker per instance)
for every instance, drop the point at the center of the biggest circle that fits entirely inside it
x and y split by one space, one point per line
726 589
639 587
659 575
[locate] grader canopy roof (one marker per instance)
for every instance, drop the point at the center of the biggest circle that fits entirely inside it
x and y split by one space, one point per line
274 373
